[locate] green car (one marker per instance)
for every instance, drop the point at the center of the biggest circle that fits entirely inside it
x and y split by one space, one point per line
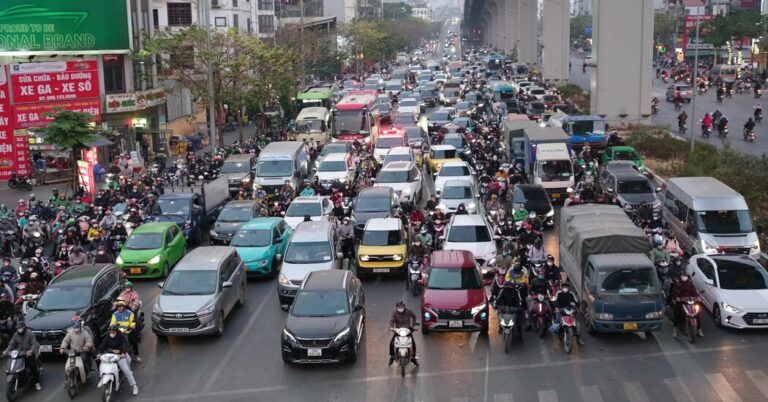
624 153
261 244
151 250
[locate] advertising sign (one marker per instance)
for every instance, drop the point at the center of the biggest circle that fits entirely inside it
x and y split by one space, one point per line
82 26
7 152
40 114
132 101
85 176
54 81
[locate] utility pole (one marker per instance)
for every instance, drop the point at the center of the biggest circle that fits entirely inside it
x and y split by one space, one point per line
211 100
301 43
695 81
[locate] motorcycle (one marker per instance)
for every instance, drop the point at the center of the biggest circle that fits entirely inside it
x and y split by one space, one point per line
109 375
719 98
690 308
74 369
403 347
682 128
654 109
758 93
749 135
722 131
415 267
706 131
9 243
541 315
554 286
758 117
25 300
567 327
509 326
18 376
662 270
22 182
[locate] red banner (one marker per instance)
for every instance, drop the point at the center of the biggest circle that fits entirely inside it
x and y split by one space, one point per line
54 81
40 114
14 151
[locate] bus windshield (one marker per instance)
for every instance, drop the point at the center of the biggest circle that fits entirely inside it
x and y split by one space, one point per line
349 121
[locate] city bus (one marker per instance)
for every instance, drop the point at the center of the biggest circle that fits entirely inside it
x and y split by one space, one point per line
319 95
494 63
352 119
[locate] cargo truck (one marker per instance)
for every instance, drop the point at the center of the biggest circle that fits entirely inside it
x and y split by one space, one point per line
548 160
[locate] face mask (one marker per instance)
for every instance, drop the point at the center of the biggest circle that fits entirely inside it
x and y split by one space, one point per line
400 310
112 334
550 263
565 290
21 331
101 253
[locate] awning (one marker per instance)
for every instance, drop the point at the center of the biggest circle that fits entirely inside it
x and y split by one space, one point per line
98 141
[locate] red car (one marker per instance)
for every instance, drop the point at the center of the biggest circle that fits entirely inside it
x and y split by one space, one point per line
454 296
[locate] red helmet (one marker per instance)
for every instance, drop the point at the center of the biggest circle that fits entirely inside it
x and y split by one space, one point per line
527 226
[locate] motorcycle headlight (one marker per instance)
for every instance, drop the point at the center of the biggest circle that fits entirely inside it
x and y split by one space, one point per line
341 335
283 280
288 336
731 309
119 260
478 308
154 260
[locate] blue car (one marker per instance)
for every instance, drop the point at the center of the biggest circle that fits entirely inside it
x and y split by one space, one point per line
261 244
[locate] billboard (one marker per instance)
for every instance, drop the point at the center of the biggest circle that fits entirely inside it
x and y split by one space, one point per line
14 149
40 114
54 81
56 26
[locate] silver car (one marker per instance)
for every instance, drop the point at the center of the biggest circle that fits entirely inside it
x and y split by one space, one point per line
201 291
457 192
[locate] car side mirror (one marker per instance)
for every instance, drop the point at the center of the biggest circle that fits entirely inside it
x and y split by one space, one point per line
160 284
359 307
279 257
226 285
658 189
709 282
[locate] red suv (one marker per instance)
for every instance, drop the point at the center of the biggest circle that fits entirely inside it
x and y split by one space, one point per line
454 297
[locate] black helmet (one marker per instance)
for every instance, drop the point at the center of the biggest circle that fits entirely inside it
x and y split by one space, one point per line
114 327
400 303
21 324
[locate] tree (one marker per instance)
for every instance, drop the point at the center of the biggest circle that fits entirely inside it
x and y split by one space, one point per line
396 11
735 26
70 131
377 41
664 28
577 27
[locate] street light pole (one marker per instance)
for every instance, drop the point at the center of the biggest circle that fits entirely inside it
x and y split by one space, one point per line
301 43
694 82
211 101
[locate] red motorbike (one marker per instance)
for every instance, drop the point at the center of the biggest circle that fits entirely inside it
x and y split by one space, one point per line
690 307
541 314
567 327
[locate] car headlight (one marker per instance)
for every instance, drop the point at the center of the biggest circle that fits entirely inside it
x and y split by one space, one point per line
206 311
214 234
341 335
478 308
154 260
119 260
756 246
397 257
604 316
157 312
283 280
550 214
288 336
654 315
731 309
263 262
707 248
365 257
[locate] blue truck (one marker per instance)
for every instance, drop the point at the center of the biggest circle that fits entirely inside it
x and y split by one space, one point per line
583 129
192 208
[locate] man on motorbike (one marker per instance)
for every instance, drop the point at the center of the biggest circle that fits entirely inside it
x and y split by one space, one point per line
130 296
126 320
79 340
116 343
24 341
32 227
537 253
432 203
682 120
346 233
8 272
108 221
509 298
758 112
682 289
493 204
21 207
552 271
103 256
308 190
722 124
425 236
565 299
706 123
538 286
7 317
402 317
659 253
418 249
5 289
506 231
77 256
749 127
5 212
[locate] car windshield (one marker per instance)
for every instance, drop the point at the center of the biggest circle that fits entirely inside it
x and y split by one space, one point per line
413 134
299 209
625 155
403 120
537 91
537 107
443 153
252 238
372 204
469 234
628 281
455 140
236 214
310 126
448 171
634 187
462 105
320 304
555 170
470 98
64 298
409 102
582 127
456 192
396 158
394 87
236 167
334 149
724 222
389 142
332 166
173 207
190 283
382 238
144 241
308 252
392 176
454 278
274 168
441 116
736 275
537 196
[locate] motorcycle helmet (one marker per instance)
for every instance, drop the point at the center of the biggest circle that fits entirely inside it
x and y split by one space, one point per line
21 325
114 327
658 243
550 257
34 276
569 190
684 278
527 227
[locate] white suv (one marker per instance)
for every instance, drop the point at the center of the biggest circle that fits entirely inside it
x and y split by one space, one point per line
404 178
471 233
454 170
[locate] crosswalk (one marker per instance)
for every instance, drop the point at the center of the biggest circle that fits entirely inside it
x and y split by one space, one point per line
713 387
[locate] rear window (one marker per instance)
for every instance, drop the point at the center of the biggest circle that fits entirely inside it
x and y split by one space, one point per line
382 238
443 153
454 171
469 234
454 278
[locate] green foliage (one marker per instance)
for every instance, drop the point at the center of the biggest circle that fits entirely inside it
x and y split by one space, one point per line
69 130
722 29
664 27
379 40
396 11
569 90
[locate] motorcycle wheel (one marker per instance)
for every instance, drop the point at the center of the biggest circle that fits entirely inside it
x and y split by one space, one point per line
28 186
507 341
568 339
11 392
690 330
72 380
403 363
107 395
541 327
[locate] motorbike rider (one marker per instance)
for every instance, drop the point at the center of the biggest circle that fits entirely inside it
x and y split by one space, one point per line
493 204
126 319
21 207
5 212
338 211
749 126
8 272
130 296
418 249
32 227
308 190
507 229
79 339
538 286
682 289
5 289
346 233
682 120
722 124
103 256
425 236
402 317
24 341
77 256
706 123
564 299
116 343
553 272
7 317
758 112
108 221
509 297
432 203
659 253
537 253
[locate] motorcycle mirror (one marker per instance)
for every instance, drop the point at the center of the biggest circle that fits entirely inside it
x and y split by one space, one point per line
160 284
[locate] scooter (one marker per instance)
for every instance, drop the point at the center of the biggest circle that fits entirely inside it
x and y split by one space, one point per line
540 314
690 308
18 376
567 327
722 131
75 371
403 347
758 93
509 326
22 182
749 135
109 374
705 132
681 128
654 109
414 275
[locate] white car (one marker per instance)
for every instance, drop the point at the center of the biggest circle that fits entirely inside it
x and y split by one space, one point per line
454 170
472 233
409 106
536 92
400 154
318 209
455 193
440 78
333 148
404 178
733 287
384 143
336 168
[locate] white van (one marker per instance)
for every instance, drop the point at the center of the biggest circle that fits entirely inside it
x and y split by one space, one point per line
312 124
709 217
281 161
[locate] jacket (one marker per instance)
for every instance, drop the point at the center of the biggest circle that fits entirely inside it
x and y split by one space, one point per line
24 341
406 319
77 340
126 319
108 344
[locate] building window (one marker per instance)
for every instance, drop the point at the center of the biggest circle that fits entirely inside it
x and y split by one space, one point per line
234 3
235 21
155 19
179 14
220 21
266 5
266 24
250 28
114 76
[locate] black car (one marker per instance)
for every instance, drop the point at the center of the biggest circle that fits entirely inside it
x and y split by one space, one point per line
535 110
325 323
373 202
513 106
440 118
87 291
234 215
534 198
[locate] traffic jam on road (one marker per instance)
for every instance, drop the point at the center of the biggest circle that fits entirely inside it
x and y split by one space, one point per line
457 177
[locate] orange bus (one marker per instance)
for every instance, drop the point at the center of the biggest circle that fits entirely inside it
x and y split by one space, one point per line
352 118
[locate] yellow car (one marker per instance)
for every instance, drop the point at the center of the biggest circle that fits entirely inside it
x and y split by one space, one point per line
439 154
383 248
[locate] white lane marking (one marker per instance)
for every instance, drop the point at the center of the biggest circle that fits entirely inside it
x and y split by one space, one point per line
236 344
544 351
679 390
635 392
461 399
548 396
760 380
590 393
722 388
503 398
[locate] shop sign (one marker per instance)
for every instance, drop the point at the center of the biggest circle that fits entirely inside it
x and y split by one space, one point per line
130 102
149 98
82 26
40 114
54 81
85 176
14 153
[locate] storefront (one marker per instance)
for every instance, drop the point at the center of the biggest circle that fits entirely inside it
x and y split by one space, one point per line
137 119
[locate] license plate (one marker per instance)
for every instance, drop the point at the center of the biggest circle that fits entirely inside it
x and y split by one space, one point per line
455 324
178 329
314 352
760 321
135 271
555 196
46 348
630 326
381 270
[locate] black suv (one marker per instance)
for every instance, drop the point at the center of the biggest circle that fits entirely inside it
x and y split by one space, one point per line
373 202
87 291
325 323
